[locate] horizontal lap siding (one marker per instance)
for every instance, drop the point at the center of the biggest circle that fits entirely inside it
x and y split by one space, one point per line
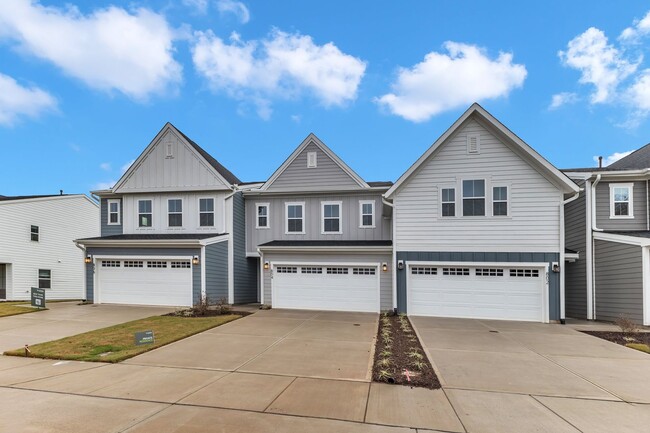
113 229
216 271
533 224
639 201
576 273
244 269
619 281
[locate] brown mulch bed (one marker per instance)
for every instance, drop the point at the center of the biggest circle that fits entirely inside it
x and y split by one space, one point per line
622 338
193 312
399 356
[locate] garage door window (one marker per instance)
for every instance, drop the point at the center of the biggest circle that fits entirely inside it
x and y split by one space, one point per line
311 270
424 270
110 263
133 263
455 271
181 265
489 272
156 264
526 273
363 271
286 269
337 271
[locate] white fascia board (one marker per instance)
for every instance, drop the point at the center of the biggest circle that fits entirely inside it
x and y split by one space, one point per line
326 249
623 239
616 174
568 257
141 243
215 240
292 192
54 197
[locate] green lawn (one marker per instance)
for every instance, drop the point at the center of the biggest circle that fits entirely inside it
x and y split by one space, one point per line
13 308
117 343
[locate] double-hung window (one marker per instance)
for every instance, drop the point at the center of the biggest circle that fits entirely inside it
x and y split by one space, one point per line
113 212
331 212
44 279
474 197
145 213
448 200
262 216
620 200
175 212
34 233
206 212
295 218
367 214
500 201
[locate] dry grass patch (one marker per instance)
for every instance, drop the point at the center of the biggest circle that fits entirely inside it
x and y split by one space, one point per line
14 308
117 343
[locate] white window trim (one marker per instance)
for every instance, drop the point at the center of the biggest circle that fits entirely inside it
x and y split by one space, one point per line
180 227
630 186
38 278
312 156
137 213
322 217
508 199
268 217
286 217
487 187
119 212
214 213
455 202
361 214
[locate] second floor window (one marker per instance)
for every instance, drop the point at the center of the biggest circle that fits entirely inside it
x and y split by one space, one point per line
263 216
113 212
331 217
448 200
145 214
295 218
474 197
620 205
34 233
500 201
206 212
175 212
367 209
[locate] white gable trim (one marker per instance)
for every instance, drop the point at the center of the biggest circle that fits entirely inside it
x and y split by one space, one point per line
167 128
311 138
550 172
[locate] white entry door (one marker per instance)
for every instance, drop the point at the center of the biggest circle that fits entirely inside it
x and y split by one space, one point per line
326 287
486 292
145 282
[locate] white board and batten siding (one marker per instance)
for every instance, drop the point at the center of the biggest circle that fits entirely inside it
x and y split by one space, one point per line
60 220
533 221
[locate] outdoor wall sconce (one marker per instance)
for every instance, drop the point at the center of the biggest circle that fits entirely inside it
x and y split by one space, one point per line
266 266
555 267
384 267
400 264
88 259
195 260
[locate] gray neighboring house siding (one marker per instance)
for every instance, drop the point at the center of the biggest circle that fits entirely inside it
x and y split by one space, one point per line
639 201
245 269
154 252
113 229
619 281
216 272
575 214
509 257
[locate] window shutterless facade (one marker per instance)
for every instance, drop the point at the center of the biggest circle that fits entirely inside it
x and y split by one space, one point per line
295 218
34 234
262 212
474 197
620 200
448 200
500 201
367 214
44 279
331 213
114 212
145 213
175 212
206 212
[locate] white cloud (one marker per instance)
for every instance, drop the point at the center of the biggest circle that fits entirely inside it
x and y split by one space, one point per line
599 62
126 166
611 159
239 9
200 6
446 81
17 101
639 92
108 49
106 166
104 185
564 98
634 33
280 66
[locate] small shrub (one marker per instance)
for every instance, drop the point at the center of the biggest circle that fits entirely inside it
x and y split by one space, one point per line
384 362
627 325
385 353
419 365
265 307
223 307
201 309
383 375
415 355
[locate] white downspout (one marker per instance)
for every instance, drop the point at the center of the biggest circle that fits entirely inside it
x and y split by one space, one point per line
394 264
594 228
562 255
228 209
593 205
589 252
261 276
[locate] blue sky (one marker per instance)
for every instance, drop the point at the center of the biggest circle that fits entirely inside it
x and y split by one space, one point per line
85 86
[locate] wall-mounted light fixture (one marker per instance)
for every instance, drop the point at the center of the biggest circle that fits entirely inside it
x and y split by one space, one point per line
266 266
384 267
555 266
400 264
88 259
195 260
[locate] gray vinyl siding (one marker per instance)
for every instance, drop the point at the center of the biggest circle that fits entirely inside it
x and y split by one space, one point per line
639 201
109 230
619 281
153 252
575 214
455 256
244 269
216 272
385 278
3 281
297 177
312 219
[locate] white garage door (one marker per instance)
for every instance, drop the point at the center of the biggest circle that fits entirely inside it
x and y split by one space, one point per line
318 287
145 282
494 292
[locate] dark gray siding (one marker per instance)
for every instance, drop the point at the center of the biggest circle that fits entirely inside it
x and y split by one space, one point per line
244 269
155 252
619 281
639 198
575 214
509 257
216 271
107 230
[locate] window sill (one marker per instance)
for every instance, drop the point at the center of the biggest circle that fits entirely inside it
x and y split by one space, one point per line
262 228
294 233
367 227
621 217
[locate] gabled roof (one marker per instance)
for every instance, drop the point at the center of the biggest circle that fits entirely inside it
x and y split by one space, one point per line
220 170
638 159
534 158
311 138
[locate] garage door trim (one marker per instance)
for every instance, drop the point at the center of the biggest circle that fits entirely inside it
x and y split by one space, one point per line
97 266
376 265
543 267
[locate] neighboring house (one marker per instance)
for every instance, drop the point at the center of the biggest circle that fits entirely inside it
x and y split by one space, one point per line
37 248
322 235
172 231
609 225
478 227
